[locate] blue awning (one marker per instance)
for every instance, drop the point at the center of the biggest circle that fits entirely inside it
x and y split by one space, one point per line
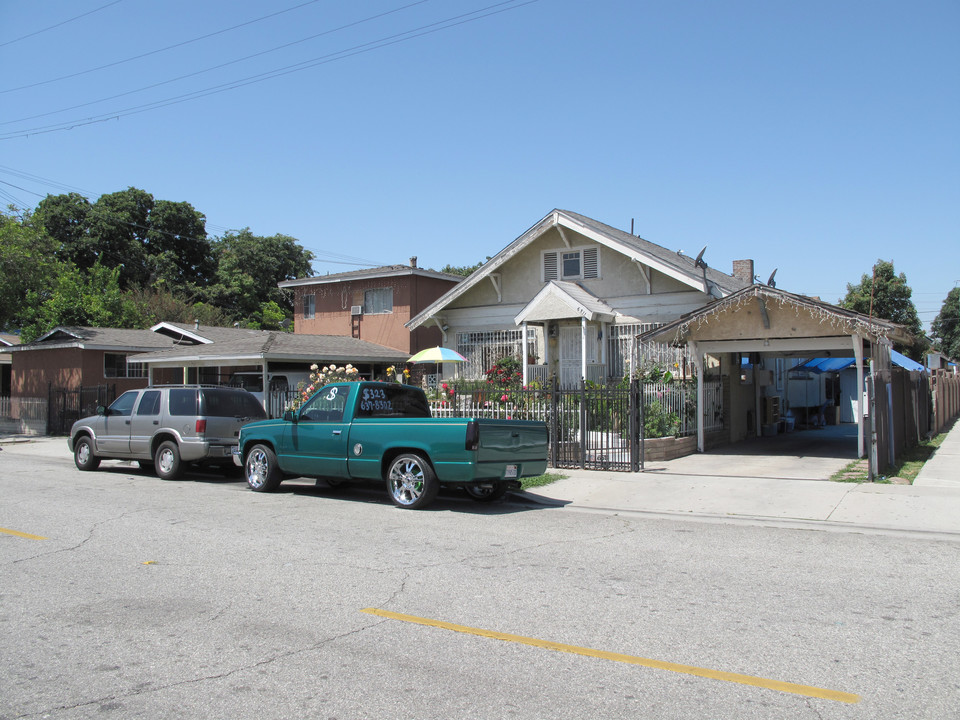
822 365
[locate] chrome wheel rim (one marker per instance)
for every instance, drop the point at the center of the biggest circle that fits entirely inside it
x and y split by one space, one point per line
257 469
83 453
406 481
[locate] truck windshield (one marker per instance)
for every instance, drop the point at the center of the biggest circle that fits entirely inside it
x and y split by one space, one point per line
388 401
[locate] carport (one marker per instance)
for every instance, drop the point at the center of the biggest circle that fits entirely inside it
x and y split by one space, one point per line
759 323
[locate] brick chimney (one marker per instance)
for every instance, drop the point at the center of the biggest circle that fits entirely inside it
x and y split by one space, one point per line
743 270
413 261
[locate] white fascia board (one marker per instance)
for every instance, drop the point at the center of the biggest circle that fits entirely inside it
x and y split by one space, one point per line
484 270
199 360
777 345
181 331
631 253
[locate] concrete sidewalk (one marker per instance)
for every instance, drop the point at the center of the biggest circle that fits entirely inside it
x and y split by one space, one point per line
779 488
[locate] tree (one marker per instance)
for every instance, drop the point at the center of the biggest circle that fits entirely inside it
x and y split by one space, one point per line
462 270
150 240
945 328
91 298
178 247
65 218
27 264
887 295
249 267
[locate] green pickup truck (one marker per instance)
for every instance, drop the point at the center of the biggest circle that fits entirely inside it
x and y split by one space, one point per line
383 431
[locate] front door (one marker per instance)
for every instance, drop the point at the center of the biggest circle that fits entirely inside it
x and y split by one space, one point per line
570 356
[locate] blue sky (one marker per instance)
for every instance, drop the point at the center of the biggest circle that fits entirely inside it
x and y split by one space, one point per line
814 137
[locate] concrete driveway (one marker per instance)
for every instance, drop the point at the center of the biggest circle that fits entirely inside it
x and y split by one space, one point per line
800 455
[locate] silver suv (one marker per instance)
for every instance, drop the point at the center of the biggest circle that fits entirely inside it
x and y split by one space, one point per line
165 428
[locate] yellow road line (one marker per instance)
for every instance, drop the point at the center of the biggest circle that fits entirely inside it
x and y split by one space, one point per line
786 687
28 536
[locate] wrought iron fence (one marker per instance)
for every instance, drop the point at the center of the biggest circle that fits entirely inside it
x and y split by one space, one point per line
595 427
65 406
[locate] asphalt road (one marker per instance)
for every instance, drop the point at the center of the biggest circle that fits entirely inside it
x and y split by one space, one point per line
199 598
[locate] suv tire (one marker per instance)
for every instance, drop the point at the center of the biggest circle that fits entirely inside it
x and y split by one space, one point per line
166 461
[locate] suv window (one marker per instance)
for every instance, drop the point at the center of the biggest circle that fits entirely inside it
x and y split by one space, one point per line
183 402
230 403
149 403
123 405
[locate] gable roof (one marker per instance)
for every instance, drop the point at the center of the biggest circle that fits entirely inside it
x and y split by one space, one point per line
834 319
369 274
559 298
673 264
91 338
8 340
275 346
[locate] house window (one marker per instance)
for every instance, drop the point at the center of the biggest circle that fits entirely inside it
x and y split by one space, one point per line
378 301
483 349
573 264
115 365
309 306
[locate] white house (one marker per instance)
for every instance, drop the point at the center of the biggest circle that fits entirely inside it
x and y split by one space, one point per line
570 295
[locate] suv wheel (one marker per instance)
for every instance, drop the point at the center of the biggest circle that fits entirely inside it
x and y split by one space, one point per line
83 454
167 461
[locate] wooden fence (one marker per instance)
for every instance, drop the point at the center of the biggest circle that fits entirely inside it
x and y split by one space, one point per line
945 392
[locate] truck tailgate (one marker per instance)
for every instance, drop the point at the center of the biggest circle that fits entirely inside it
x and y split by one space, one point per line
513 441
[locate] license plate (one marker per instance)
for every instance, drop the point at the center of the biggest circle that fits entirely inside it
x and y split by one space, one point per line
510 472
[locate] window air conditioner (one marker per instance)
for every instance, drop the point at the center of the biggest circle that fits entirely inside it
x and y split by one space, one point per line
356 309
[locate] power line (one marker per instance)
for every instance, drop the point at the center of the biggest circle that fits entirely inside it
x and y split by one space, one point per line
213 67
362 48
160 50
64 22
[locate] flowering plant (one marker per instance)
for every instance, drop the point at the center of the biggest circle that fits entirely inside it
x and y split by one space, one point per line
506 372
320 377
399 377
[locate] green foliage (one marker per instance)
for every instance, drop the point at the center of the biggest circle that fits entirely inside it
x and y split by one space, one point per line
658 422
462 270
506 374
91 298
886 295
249 267
27 264
167 262
945 328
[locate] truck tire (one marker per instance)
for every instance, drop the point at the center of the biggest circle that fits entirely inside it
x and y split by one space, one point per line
261 469
411 482
486 492
83 455
167 461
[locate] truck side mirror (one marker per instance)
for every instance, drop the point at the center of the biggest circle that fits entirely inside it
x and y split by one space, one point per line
101 410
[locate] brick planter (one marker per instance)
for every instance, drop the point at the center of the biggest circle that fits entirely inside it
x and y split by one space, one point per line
669 448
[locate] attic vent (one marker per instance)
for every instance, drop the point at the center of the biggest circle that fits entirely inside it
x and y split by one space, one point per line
549 266
356 309
591 267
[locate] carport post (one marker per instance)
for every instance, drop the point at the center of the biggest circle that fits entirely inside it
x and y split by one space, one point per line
698 364
861 392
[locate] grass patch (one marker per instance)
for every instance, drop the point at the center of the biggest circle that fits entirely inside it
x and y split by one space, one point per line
540 480
908 467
